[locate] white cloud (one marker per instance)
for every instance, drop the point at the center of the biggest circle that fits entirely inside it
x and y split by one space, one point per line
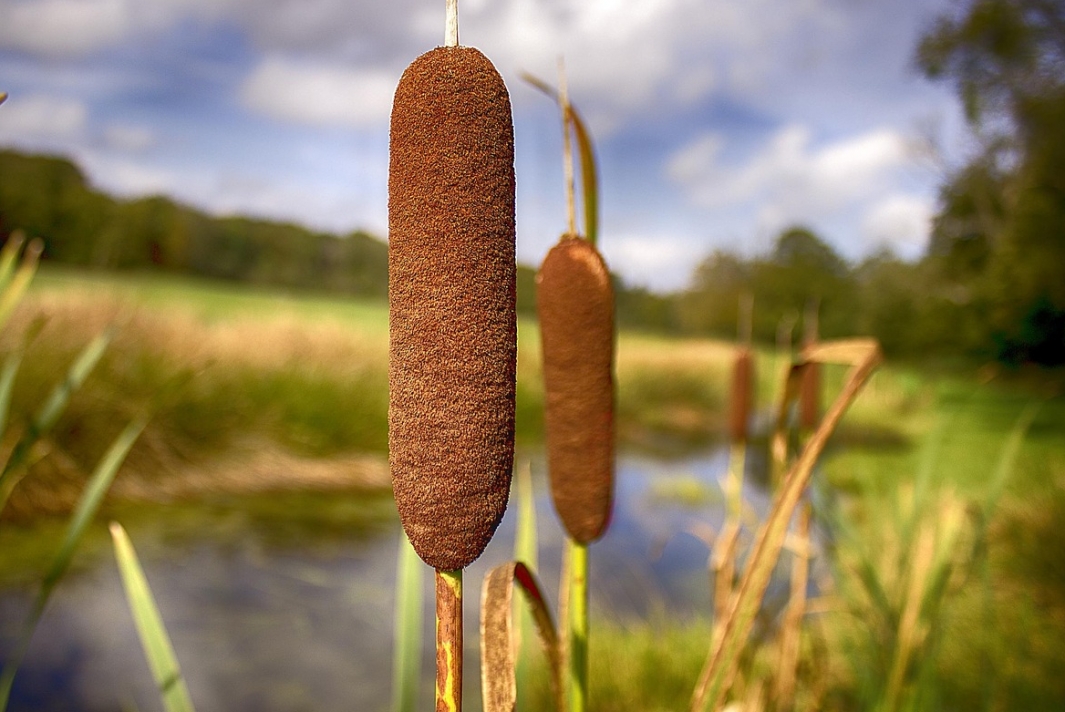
902 222
791 180
319 94
126 137
63 27
656 261
38 117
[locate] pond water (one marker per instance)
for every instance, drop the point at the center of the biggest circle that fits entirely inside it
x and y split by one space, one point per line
286 603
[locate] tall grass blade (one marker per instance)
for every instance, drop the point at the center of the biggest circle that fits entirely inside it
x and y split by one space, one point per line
1006 461
17 284
86 509
721 666
157 648
406 659
498 683
8 257
49 413
7 382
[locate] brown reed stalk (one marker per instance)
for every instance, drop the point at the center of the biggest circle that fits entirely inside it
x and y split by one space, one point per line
794 613
863 355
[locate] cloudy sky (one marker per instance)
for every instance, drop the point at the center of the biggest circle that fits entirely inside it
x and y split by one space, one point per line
717 122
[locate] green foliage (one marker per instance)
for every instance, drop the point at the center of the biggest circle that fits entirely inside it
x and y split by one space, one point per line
800 270
999 240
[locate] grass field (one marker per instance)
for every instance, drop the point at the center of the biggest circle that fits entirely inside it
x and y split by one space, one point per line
291 391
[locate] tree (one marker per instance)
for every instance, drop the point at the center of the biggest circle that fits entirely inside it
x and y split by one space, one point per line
802 270
710 305
1000 235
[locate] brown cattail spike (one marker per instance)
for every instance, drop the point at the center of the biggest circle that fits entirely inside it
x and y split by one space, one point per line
452 324
742 399
575 301
810 386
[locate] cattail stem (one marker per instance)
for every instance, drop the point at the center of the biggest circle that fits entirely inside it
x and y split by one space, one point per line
567 150
451 24
449 641
578 626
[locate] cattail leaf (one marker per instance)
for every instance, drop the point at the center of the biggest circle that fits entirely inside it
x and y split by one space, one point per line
499 687
589 175
586 151
721 665
154 638
406 658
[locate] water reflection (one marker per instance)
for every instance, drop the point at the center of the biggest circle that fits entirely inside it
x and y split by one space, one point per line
286 603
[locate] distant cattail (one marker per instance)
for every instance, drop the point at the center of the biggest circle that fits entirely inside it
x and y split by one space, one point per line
575 302
452 324
742 394
810 396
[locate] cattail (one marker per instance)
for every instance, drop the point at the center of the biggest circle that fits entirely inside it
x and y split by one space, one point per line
575 302
810 385
452 323
742 394
810 396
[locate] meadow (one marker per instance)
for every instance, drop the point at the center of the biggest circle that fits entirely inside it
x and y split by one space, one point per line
252 392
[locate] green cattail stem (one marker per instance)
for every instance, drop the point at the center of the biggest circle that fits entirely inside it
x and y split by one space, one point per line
577 611
449 641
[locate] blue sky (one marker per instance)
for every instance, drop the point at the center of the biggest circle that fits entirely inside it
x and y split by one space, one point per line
717 122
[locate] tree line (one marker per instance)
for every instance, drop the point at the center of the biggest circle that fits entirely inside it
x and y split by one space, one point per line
992 281
49 197
990 285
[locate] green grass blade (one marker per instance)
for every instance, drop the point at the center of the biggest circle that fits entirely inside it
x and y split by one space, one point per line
157 648
86 509
8 256
91 498
17 285
49 413
406 658
7 382
1004 467
57 401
